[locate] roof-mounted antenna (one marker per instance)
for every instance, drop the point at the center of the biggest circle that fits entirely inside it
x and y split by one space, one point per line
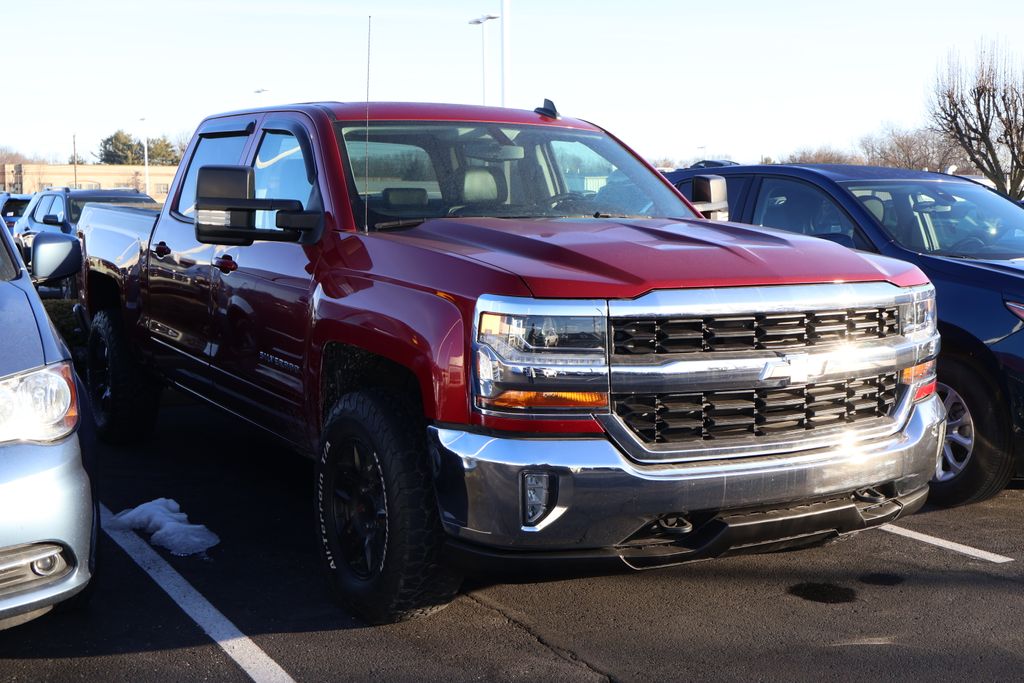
548 110
366 139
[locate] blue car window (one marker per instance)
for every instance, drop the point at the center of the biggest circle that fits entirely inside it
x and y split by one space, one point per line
797 206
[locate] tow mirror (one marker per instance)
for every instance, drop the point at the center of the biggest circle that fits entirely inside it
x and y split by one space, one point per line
55 256
226 211
710 197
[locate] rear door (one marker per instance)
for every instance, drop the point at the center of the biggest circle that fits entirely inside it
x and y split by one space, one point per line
261 292
179 268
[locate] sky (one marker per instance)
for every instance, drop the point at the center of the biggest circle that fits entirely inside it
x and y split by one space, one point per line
674 78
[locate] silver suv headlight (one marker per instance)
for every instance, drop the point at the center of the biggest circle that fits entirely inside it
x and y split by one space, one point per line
541 356
38 405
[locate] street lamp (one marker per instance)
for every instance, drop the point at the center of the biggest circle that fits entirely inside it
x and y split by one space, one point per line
145 152
480 21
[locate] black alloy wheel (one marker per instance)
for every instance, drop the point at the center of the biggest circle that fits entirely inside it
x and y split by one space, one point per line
361 510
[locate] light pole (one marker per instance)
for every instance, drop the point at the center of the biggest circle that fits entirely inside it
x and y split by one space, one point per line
145 153
506 49
480 21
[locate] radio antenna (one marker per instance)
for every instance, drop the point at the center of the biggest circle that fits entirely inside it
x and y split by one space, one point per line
366 139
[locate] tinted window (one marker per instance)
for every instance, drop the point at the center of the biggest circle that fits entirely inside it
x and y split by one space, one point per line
218 151
13 208
736 189
280 173
951 218
141 199
802 208
7 268
42 208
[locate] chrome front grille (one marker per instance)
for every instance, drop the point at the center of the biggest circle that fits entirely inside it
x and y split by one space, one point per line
752 332
694 417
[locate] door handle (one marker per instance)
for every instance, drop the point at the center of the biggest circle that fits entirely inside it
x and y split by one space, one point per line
161 249
225 264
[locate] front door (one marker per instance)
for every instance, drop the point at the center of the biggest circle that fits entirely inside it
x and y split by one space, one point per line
179 268
261 295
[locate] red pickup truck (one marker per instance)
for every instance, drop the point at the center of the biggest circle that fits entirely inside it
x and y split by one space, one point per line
504 338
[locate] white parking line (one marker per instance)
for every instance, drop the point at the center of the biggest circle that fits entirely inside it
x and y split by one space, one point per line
949 545
235 644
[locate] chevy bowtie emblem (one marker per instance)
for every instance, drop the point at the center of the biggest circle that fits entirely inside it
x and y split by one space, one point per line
797 368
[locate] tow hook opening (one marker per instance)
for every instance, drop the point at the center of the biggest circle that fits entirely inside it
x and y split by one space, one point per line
675 525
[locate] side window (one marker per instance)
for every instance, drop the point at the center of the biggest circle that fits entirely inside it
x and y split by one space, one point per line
736 191
686 187
802 208
42 208
280 173
211 151
57 208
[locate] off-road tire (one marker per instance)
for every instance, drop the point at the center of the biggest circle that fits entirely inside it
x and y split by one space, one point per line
125 398
410 579
991 464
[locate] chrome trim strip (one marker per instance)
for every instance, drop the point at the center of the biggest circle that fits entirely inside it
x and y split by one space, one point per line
706 371
767 299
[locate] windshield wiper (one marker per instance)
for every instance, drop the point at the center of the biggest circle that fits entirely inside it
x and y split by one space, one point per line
404 223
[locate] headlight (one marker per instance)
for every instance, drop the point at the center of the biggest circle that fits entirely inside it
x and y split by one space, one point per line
544 357
40 405
918 318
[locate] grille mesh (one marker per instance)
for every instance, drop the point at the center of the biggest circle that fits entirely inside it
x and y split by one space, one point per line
773 331
704 416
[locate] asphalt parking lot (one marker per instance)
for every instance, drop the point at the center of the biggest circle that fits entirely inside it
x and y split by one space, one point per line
880 606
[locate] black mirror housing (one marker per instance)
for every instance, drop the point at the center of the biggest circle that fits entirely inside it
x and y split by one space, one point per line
226 211
55 256
52 219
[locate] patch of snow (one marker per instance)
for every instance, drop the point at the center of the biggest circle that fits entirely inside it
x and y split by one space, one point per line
168 525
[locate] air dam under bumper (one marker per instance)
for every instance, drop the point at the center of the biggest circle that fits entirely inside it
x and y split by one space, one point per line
602 502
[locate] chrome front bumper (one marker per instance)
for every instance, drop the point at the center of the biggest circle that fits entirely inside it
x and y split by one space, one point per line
603 498
45 498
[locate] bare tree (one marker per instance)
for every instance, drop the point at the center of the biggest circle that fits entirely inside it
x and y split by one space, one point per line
664 162
918 148
9 155
981 106
822 155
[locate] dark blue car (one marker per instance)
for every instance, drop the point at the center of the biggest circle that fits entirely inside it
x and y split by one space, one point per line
969 241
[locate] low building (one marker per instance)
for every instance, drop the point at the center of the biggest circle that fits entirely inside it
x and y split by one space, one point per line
29 178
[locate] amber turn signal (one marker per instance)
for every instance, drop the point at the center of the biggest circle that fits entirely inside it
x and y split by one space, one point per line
914 376
549 399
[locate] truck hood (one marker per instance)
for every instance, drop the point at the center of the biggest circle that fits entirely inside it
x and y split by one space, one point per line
22 347
624 258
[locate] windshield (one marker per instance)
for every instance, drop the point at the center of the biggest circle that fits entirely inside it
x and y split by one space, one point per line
945 218
404 172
